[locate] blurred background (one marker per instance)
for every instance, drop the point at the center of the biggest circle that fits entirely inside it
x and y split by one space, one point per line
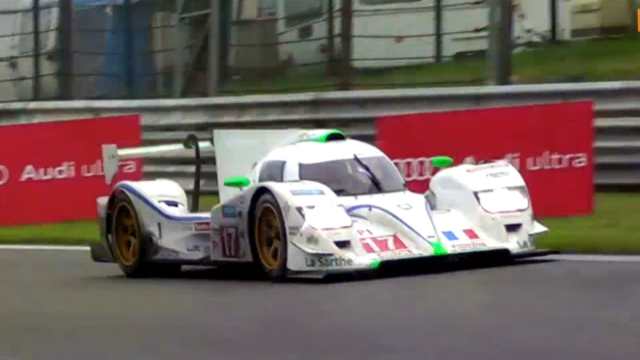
116 49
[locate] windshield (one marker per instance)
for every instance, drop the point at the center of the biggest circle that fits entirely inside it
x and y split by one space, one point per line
351 176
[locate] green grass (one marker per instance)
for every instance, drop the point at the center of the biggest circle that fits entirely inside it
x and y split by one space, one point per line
613 228
585 60
70 233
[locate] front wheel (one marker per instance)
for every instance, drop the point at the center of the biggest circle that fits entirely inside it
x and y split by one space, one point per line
270 237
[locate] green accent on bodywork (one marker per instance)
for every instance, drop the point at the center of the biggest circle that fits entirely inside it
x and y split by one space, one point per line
438 249
375 264
237 181
441 162
325 136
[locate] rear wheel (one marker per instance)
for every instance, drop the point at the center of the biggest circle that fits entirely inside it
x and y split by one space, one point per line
130 248
270 237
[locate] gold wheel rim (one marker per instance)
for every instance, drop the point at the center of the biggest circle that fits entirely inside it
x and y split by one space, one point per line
269 237
126 234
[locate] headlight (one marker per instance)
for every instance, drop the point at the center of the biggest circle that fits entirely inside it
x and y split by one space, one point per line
503 200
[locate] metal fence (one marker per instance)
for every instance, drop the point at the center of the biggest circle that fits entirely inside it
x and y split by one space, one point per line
124 49
330 46
28 36
88 49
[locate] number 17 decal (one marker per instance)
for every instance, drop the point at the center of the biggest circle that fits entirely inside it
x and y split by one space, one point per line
380 244
230 242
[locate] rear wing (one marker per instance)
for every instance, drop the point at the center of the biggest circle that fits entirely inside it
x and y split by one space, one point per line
111 157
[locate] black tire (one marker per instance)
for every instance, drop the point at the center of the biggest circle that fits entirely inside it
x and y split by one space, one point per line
269 245
129 245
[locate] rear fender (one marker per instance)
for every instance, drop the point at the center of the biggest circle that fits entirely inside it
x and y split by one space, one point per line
162 209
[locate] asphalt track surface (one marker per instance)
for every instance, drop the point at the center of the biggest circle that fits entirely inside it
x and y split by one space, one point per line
60 305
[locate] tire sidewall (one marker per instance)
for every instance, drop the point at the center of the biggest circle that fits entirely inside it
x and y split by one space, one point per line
136 268
280 272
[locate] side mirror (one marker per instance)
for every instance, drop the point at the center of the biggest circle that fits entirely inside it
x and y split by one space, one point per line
441 162
237 182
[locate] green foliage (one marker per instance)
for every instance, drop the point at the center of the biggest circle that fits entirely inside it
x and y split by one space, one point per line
575 61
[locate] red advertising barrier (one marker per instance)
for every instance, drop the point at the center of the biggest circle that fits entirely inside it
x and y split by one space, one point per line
52 172
551 145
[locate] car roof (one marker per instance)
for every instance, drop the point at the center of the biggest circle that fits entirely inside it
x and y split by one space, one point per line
309 152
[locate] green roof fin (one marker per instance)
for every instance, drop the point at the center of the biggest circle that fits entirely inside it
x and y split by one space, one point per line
326 136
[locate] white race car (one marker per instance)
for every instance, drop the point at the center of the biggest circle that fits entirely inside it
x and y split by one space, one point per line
318 204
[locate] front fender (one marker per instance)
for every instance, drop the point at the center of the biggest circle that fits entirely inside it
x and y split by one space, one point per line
310 203
314 220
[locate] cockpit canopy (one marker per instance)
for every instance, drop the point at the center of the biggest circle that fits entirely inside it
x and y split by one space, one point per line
348 167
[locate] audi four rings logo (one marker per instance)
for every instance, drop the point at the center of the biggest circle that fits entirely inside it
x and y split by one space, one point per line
416 169
4 175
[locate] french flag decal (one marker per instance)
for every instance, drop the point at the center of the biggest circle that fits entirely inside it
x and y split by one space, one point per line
450 235
471 234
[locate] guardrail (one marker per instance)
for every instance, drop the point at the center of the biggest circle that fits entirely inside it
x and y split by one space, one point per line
617 106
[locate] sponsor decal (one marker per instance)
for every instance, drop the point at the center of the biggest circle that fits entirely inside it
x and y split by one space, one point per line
67 170
4 175
229 211
202 226
306 192
498 175
327 262
547 160
61 161
420 169
230 242
415 169
469 246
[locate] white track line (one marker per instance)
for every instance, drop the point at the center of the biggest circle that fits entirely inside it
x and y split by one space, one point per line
43 248
596 258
